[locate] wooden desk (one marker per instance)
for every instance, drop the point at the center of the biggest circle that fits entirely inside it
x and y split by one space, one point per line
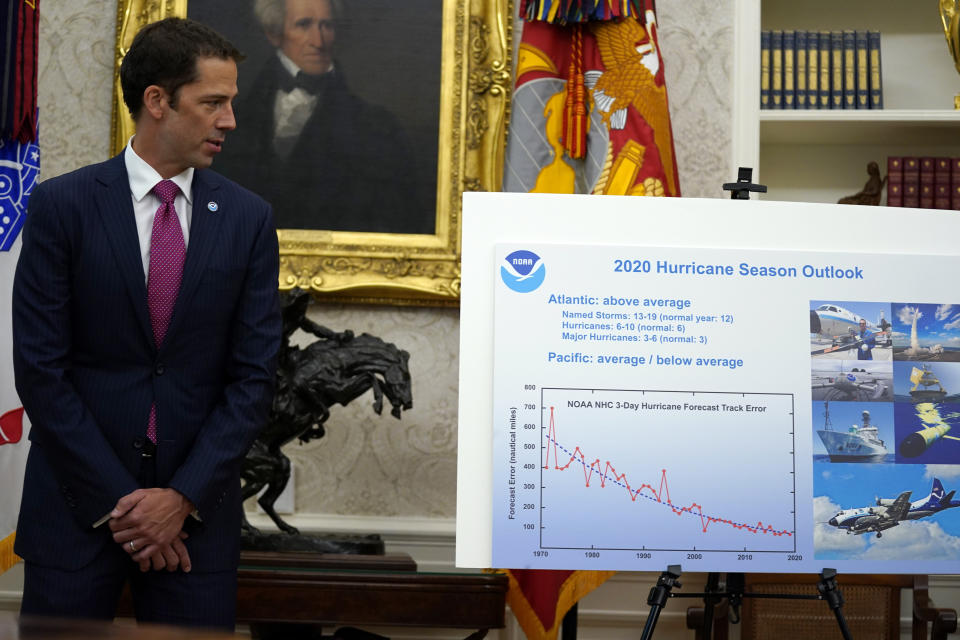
14 628
336 590
282 595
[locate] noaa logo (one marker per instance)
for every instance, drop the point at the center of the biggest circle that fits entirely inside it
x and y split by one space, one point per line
523 271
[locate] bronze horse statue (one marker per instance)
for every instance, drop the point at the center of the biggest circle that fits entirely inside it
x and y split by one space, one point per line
335 369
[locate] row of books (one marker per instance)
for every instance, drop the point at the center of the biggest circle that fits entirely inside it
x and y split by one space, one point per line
925 183
820 70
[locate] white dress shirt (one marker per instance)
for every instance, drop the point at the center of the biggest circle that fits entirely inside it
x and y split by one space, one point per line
143 178
291 110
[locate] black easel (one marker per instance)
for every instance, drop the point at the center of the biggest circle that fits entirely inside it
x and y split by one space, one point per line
659 595
740 190
568 628
734 593
830 592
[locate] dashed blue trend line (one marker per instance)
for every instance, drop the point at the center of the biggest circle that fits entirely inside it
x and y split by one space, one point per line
603 474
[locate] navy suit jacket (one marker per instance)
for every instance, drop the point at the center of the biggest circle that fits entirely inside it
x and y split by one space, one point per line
87 369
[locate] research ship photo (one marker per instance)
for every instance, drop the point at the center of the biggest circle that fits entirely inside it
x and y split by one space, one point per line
859 443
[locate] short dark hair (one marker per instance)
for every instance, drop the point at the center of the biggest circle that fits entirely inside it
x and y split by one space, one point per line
165 53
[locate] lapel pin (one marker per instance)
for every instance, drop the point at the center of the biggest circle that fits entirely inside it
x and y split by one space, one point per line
213 206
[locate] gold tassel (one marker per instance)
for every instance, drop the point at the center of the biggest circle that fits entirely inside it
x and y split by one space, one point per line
7 557
575 120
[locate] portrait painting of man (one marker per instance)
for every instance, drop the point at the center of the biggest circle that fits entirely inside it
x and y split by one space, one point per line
338 113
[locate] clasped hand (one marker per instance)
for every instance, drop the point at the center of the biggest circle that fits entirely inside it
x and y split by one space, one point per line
152 519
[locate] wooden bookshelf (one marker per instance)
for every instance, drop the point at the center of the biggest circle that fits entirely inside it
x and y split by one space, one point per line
821 155
833 127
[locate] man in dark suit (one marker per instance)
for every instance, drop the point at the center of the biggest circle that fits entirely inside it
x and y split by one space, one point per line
322 156
146 325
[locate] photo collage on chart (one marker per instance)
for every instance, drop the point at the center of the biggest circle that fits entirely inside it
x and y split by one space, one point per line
885 386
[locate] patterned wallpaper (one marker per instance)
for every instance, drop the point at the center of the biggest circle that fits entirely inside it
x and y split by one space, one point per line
368 464
697 41
76 81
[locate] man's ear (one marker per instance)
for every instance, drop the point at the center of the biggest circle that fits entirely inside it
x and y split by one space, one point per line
155 101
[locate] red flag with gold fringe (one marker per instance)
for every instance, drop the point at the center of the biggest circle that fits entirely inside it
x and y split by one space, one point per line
540 598
590 111
589 114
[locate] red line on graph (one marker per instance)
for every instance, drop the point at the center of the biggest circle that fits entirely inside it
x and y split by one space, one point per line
660 494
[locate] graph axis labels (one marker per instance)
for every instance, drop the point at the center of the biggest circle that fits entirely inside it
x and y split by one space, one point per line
682 412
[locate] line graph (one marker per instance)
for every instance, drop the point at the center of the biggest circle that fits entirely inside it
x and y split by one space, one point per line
660 495
666 470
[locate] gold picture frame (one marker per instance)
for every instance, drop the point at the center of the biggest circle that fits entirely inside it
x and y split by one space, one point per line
394 268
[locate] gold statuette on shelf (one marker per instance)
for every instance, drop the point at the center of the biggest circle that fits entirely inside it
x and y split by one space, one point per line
950 16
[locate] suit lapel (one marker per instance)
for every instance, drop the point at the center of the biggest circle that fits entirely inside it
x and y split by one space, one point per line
115 207
204 228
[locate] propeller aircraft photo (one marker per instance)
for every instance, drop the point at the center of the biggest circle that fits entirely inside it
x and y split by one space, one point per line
888 513
838 328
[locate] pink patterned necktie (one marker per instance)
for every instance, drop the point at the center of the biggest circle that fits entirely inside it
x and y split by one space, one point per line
167 253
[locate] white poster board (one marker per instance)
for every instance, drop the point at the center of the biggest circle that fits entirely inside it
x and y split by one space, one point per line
644 382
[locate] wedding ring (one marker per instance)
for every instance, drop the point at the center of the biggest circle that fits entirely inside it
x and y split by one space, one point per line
132 548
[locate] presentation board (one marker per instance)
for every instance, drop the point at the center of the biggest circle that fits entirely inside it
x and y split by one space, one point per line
725 385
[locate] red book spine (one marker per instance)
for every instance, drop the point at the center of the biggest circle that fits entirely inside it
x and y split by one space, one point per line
941 184
911 182
955 183
926 182
894 182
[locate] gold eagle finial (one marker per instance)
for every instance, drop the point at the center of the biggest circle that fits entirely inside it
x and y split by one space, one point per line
632 62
